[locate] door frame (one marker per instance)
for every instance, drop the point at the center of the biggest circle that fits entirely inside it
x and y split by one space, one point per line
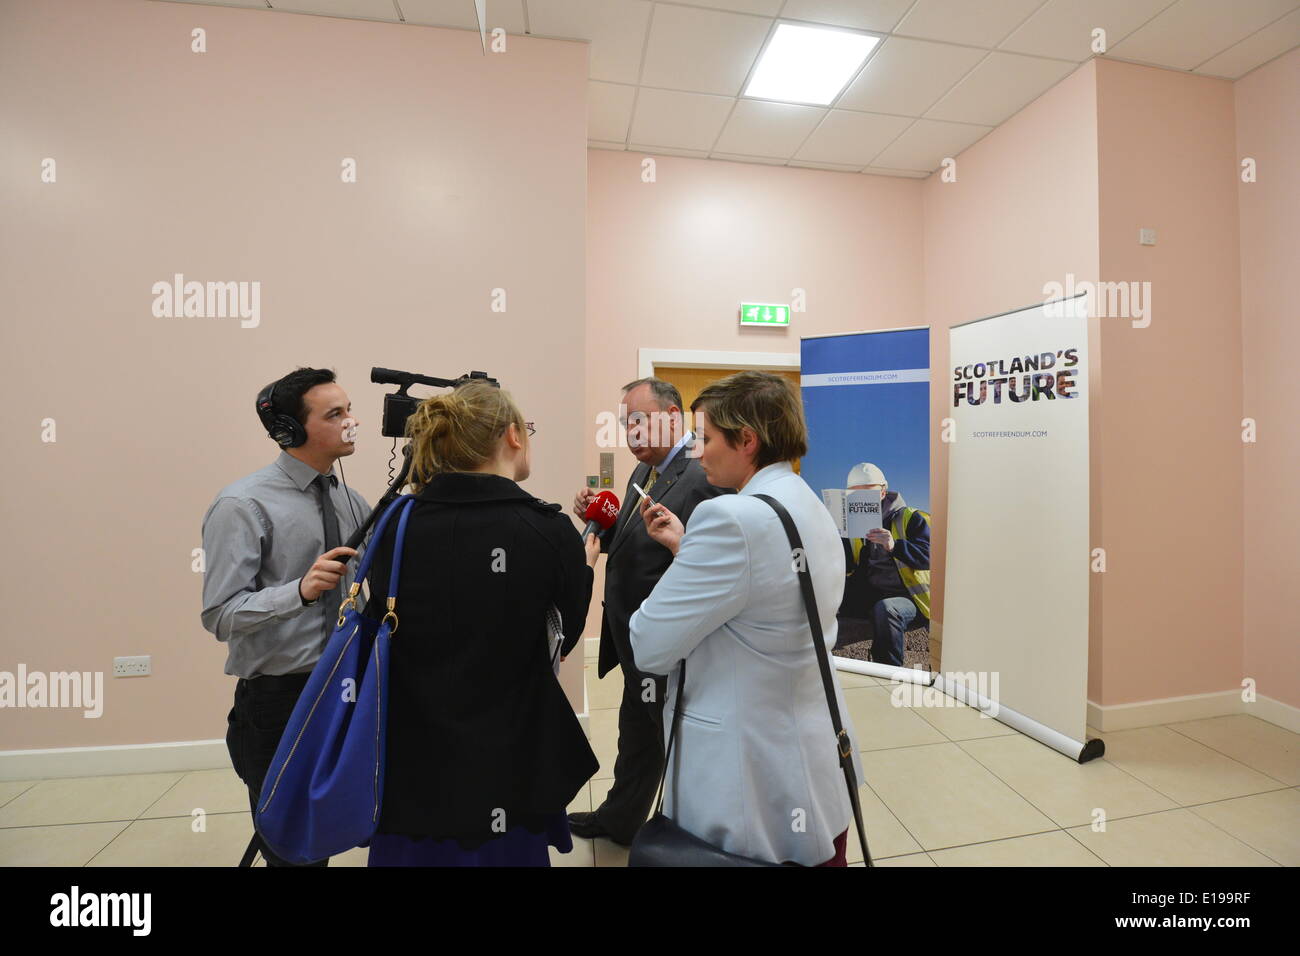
647 359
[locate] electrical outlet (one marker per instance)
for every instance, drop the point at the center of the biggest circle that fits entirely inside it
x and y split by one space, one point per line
132 666
1146 237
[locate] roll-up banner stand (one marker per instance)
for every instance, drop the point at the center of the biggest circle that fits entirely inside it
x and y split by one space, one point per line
866 397
1015 602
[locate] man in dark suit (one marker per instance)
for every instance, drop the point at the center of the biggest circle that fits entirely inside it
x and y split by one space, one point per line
667 470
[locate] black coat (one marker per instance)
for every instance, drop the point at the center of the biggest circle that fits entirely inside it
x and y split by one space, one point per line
635 560
480 735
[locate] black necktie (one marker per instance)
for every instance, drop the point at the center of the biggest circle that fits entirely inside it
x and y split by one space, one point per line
329 521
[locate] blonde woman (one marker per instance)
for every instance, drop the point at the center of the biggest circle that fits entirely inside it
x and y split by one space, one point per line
754 769
484 752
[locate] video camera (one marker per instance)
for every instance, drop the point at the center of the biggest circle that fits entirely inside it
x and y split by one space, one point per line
398 407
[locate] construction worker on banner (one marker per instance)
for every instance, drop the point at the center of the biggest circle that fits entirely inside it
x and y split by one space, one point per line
889 570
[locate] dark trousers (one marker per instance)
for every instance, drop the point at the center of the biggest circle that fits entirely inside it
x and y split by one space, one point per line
640 759
254 726
890 619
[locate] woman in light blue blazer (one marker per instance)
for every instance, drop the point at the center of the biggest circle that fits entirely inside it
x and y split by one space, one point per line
755 766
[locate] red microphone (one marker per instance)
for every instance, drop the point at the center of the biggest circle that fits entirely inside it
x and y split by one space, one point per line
601 513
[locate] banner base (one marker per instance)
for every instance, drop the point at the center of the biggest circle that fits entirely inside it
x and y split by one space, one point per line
1081 752
905 675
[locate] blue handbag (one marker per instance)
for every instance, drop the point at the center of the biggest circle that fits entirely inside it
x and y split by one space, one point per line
325 788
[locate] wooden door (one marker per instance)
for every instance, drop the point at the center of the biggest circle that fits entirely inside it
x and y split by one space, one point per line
691 381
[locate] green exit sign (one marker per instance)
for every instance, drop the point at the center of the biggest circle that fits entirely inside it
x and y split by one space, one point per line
761 313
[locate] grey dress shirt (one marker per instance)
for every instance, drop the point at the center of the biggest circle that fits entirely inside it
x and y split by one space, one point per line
261 534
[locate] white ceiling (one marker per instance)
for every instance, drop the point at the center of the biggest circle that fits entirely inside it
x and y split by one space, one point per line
666 75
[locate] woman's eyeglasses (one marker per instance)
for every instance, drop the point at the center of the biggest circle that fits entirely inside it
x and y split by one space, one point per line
532 429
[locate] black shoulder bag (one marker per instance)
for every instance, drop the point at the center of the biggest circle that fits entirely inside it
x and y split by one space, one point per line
660 841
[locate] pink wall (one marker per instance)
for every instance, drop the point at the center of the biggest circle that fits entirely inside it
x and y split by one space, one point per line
669 262
1267 104
226 166
1171 452
1022 212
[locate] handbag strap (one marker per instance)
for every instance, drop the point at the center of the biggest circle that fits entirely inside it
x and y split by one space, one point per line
390 608
402 502
398 548
843 745
672 735
368 558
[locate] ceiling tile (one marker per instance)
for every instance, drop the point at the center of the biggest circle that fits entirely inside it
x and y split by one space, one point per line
908 76
616 29
763 8
1192 31
851 139
680 120
609 110
836 167
926 143
877 15
361 9
998 87
765 160
761 128
506 14
670 151
909 173
1064 28
977 22
258 4
1256 49
701 50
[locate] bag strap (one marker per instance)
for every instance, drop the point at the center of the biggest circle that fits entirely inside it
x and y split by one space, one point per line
350 601
843 745
390 609
672 735
398 548
368 558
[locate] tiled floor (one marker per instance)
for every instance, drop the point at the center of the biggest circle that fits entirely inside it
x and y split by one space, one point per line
946 787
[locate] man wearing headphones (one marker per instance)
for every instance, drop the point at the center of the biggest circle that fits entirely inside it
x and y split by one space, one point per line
276 572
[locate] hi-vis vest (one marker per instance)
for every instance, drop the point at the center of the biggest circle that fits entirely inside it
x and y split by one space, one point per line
916 582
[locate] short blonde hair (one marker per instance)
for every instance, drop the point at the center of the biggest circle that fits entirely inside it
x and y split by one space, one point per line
459 430
766 403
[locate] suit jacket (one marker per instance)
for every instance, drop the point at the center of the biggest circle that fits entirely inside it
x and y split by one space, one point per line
755 752
635 561
477 720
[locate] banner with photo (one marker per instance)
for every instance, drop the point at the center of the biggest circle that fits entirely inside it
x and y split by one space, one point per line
866 397
1015 603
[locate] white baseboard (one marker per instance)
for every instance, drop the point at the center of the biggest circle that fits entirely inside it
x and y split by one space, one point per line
177 757
1150 713
186 755
173 757
1275 712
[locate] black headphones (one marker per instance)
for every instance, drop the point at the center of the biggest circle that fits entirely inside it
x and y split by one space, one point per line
286 430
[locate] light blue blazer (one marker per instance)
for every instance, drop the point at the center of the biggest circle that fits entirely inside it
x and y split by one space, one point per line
755 764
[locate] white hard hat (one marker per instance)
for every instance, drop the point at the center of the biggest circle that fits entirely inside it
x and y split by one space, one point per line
865 473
